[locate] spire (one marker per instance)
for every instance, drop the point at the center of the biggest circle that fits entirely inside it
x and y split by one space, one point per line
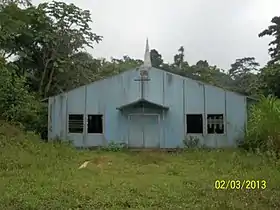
147 56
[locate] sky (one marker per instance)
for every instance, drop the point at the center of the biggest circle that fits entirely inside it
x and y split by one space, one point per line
218 31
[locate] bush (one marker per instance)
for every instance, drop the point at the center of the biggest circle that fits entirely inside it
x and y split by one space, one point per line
191 142
114 147
263 128
17 104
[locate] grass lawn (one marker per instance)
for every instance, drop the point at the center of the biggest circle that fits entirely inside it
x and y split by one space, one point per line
46 176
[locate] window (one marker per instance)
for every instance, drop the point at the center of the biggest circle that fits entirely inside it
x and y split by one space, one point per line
95 123
76 123
194 123
215 123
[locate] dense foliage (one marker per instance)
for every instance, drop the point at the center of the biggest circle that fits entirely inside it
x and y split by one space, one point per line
263 131
42 53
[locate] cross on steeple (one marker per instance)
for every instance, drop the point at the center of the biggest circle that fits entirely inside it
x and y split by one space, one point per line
144 69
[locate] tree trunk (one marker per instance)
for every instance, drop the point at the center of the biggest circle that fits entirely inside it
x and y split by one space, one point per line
49 83
43 77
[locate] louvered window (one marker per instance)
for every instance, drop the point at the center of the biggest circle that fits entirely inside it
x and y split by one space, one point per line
215 123
76 123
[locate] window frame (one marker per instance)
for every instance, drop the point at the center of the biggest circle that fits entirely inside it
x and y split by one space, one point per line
102 123
68 123
202 124
223 128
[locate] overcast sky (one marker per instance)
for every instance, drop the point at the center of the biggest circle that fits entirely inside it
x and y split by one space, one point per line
218 31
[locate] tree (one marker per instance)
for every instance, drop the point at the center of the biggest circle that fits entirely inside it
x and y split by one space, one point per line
179 58
127 63
13 21
273 30
268 80
16 103
202 70
243 72
156 58
82 70
243 66
50 34
202 64
17 2
210 74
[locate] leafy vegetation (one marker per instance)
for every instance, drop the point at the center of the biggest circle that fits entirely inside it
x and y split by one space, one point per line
38 175
273 30
263 131
17 104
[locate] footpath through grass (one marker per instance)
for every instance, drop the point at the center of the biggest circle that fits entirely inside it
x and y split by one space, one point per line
37 175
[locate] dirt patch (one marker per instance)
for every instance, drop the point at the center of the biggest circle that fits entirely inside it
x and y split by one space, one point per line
102 161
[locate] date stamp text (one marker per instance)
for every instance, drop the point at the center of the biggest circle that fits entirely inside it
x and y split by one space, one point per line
240 184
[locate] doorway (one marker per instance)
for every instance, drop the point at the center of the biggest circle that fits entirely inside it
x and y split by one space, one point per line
144 131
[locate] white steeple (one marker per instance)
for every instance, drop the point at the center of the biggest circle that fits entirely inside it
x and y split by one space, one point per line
147 56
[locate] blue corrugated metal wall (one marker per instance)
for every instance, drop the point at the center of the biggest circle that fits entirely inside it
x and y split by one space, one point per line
182 96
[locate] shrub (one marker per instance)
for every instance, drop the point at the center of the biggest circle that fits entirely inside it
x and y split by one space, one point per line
114 147
191 142
263 128
17 104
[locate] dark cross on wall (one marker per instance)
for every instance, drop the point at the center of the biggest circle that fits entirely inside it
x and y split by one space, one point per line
144 76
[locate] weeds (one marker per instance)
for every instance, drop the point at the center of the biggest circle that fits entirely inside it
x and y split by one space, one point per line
47 174
39 175
191 142
114 147
263 128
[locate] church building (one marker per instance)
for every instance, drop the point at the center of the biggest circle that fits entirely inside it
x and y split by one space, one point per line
148 107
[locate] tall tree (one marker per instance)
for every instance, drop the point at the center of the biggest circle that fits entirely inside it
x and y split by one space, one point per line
243 66
179 58
50 34
274 31
243 72
156 58
82 70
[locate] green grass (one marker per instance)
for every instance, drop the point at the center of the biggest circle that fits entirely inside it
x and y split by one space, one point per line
46 176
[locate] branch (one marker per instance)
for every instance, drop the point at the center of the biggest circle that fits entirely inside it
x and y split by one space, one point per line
7 56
